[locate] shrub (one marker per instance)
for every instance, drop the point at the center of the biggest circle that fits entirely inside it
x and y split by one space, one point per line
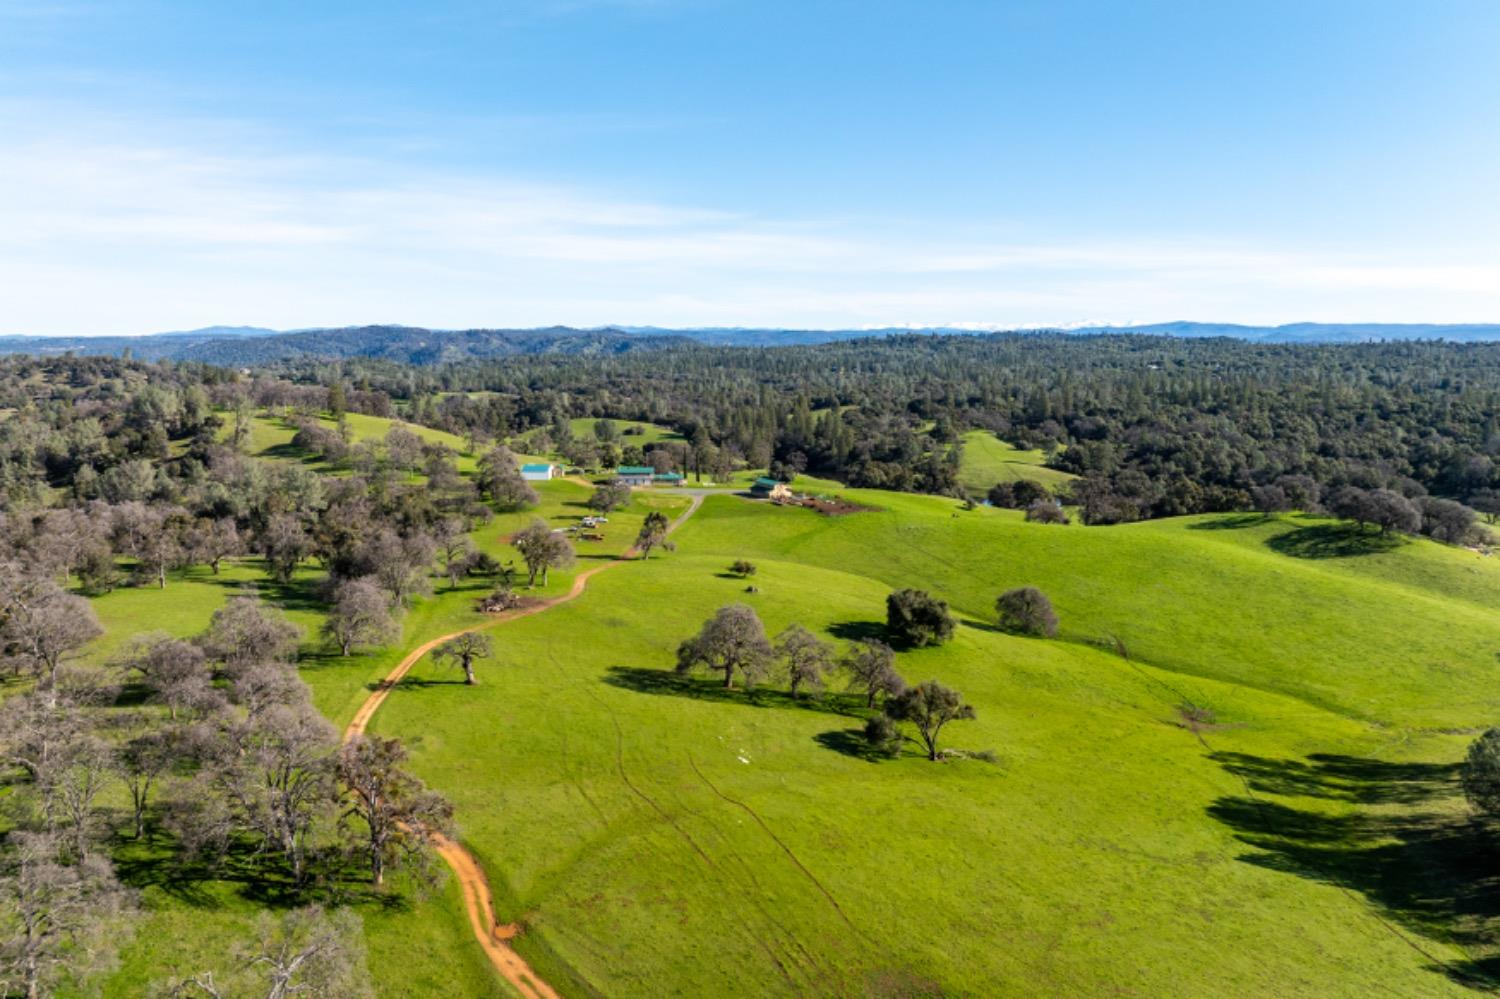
1027 611
743 569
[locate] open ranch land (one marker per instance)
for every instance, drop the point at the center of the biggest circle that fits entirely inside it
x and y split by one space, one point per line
1246 801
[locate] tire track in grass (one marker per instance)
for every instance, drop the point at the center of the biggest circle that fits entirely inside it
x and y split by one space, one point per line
782 844
478 900
670 820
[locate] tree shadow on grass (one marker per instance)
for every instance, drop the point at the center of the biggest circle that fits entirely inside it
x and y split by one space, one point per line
301 593
859 631
1231 522
155 862
1344 778
673 684
850 742
1333 541
417 683
1431 870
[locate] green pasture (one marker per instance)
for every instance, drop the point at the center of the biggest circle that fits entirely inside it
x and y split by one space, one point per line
987 459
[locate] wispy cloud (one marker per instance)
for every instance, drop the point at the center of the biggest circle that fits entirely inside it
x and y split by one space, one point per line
109 234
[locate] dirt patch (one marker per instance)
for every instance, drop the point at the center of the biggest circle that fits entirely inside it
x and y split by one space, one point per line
836 507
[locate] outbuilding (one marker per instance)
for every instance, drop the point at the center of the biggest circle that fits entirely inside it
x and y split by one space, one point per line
635 475
539 473
771 489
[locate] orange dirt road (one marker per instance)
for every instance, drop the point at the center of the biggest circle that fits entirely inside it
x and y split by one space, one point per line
476 888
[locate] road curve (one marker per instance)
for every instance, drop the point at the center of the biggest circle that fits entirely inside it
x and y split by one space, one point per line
478 901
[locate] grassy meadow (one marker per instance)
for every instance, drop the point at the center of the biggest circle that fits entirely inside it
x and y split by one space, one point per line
986 460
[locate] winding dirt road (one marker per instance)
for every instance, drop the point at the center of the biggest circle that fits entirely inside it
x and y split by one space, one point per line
478 901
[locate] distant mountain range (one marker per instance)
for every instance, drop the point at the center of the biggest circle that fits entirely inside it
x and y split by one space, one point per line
1315 332
248 346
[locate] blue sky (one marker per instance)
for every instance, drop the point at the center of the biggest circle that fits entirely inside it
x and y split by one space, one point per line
706 162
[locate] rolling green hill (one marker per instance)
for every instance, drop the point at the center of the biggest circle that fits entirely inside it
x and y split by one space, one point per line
657 835
1234 772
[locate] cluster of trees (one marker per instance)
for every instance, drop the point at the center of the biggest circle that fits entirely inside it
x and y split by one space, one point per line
734 644
213 740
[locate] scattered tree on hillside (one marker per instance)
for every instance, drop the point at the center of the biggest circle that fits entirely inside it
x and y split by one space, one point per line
213 540
463 650
929 706
806 658
1018 495
277 773
883 735
141 761
361 615
396 813
609 496
743 569
1027 611
915 618
1447 521
542 549
871 665
653 534
732 642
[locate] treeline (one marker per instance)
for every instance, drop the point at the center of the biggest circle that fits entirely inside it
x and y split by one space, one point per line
1160 425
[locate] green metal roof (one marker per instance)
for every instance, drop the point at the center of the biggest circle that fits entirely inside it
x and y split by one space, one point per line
635 470
768 483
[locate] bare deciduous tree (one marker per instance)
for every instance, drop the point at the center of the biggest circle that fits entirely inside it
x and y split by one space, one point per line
395 810
872 668
244 630
308 952
361 615
174 671
463 650
542 550
57 920
41 626
732 642
806 658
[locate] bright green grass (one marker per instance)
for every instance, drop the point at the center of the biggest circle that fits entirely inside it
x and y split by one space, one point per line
651 433
987 460
655 842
